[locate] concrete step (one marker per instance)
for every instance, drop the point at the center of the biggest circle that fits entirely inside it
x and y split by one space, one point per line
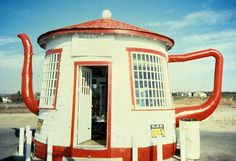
103 159
91 159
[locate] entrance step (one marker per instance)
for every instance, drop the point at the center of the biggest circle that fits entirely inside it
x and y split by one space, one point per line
103 159
91 159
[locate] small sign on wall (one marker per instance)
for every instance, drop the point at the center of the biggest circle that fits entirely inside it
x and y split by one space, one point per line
157 130
39 125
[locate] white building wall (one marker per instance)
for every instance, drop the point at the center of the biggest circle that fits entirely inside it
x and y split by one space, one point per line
125 123
57 123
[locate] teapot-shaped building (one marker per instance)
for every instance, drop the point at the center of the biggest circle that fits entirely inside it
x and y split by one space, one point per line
106 88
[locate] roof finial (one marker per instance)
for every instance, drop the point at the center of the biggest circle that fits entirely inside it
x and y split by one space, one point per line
106 13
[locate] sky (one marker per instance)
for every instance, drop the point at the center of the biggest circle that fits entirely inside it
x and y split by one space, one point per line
194 25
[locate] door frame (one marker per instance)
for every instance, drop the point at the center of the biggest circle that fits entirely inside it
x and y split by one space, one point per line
77 64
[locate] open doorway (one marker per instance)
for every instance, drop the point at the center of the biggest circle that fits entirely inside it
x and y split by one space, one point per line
92 106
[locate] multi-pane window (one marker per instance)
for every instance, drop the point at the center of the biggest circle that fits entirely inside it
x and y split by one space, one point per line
150 81
50 77
86 82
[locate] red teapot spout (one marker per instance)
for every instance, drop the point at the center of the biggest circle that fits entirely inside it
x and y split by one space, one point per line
26 78
203 111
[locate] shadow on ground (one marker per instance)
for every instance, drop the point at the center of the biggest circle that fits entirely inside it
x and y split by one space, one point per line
14 158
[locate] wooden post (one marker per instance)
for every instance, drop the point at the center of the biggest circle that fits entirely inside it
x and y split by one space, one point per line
158 143
134 149
21 141
182 145
159 149
49 148
28 144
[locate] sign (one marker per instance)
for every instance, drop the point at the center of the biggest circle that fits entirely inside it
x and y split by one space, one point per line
39 125
92 45
157 130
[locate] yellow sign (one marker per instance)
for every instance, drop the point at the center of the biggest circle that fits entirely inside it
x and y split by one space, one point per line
157 130
39 125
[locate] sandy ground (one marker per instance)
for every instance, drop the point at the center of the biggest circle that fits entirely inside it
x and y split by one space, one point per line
223 119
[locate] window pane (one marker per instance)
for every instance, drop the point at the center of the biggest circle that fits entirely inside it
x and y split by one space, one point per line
146 93
134 57
142 103
135 75
136 84
145 84
139 57
147 102
143 57
137 93
140 75
144 75
141 84
135 66
139 66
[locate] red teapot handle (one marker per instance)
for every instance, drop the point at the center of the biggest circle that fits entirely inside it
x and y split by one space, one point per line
204 110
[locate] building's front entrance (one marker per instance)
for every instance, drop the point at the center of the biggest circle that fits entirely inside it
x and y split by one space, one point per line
92 94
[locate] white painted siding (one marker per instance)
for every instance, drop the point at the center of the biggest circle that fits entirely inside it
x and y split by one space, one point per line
125 122
58 122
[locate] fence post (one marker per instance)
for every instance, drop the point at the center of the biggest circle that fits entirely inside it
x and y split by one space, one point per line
21 141
49 148
134 149
28 143
159 149
182 145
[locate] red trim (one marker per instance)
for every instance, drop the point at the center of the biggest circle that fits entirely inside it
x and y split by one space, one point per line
131 79
26 80
53 51
57 153
159 109
92 63
169 41
206 109
109 105
144 153
130 50
48 52
145 51
73 108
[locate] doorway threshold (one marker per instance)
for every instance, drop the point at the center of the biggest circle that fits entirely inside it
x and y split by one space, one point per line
93 145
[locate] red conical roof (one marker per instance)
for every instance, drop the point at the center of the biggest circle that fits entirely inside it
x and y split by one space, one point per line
106 25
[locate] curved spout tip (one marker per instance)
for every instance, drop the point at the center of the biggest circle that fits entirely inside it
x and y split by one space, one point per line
22 36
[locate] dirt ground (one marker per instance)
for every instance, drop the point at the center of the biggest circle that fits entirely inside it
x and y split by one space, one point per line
18 120
223 118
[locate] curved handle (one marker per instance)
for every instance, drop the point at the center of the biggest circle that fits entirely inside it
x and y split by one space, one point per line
204 110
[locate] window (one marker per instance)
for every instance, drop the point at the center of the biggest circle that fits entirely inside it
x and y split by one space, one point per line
150 81
50 78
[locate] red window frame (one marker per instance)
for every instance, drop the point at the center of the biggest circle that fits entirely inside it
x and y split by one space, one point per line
130 51
59 52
